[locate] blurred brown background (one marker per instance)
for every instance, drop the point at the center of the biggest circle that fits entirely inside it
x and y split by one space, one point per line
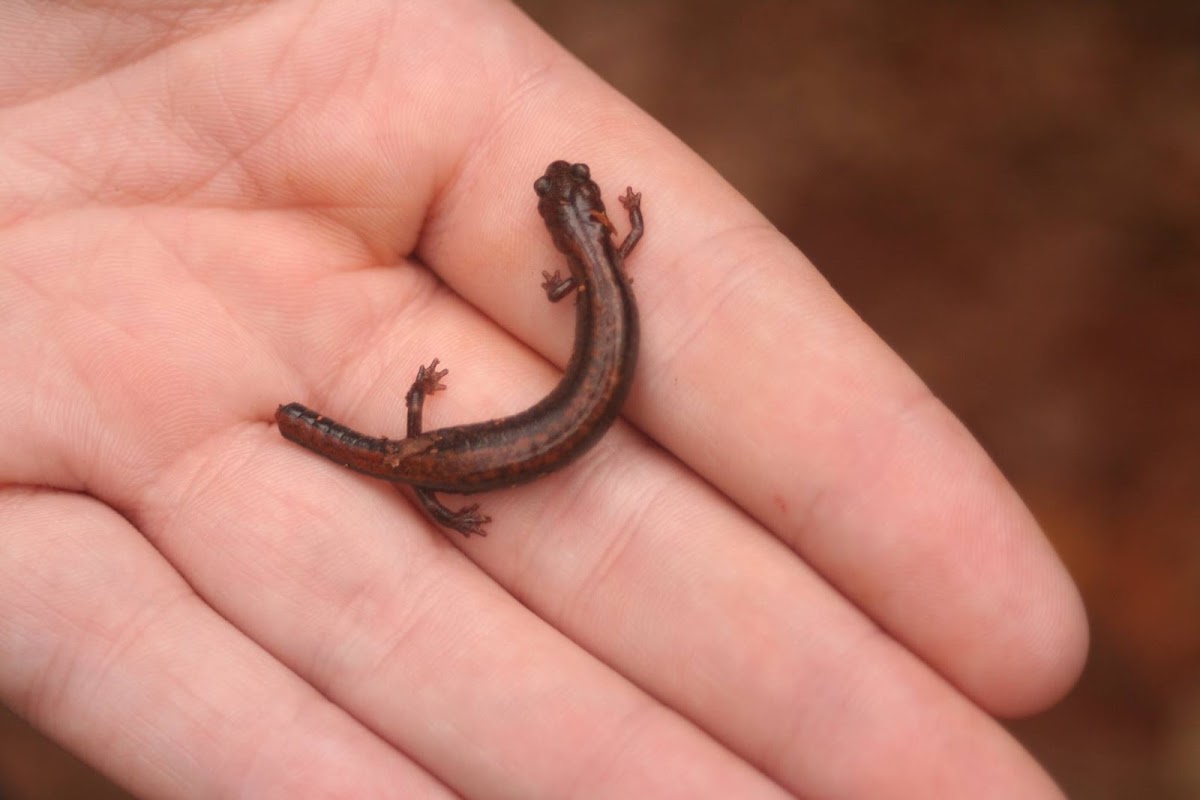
1009 193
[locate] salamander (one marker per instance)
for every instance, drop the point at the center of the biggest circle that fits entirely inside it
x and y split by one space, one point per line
559 428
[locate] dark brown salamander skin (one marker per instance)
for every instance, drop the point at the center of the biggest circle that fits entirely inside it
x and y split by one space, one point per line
559 428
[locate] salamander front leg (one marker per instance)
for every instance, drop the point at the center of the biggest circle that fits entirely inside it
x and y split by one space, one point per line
556 286
633 204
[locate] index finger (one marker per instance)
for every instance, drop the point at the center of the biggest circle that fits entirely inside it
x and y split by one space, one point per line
758 377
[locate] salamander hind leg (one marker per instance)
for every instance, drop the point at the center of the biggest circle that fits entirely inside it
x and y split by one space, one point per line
466 520
428 381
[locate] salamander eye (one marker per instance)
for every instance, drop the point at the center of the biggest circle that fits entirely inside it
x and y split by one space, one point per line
581 172
542 186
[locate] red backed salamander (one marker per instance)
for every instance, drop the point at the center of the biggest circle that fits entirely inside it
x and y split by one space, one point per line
563 425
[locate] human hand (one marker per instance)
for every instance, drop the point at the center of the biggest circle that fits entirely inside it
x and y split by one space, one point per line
813 583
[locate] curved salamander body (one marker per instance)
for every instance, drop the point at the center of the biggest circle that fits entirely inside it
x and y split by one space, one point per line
563 425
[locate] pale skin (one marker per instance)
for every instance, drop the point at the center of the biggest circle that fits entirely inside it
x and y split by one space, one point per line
816 584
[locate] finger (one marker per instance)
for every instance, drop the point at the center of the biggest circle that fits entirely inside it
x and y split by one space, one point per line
632 557
106 649
701 608
743 706
345 581
760 378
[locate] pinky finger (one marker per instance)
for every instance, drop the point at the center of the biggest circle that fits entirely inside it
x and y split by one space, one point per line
105 647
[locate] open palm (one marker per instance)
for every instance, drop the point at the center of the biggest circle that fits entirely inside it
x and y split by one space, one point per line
793 573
